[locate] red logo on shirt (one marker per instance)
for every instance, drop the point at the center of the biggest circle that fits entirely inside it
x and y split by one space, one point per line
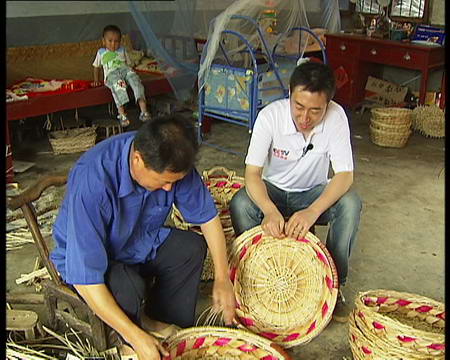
279 153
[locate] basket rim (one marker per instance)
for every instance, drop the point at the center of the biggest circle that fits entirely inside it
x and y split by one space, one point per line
217 331
240 252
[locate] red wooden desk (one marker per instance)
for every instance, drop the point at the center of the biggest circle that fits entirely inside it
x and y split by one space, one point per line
356 53
41 105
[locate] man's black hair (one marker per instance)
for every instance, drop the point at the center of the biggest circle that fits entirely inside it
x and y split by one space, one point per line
314 77
167 143
112 28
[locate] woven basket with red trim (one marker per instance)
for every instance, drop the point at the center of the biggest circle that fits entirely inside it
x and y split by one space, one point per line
387 324
211 342
286 289
222 183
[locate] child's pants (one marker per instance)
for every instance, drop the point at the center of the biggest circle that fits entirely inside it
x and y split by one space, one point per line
117 82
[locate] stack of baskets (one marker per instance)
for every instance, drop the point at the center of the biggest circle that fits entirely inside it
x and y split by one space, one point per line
429 120
286 289
390 127
388 324
72 140
222 184
211 342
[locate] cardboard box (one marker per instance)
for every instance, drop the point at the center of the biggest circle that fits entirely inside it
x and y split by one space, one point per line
384 92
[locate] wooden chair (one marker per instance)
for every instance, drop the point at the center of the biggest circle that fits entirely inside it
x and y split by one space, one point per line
61 302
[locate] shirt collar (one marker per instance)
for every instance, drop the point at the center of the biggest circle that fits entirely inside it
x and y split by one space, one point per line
127 184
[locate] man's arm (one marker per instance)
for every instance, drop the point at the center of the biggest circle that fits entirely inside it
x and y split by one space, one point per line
301 221
101 301
223 293
273 222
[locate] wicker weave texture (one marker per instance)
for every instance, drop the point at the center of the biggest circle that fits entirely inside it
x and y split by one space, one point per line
211 342
387 324
286 289
72 140
390 127
429 121
222 183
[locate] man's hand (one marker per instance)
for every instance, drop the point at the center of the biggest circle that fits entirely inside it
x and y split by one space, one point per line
147 347
224 300
273 224
300 222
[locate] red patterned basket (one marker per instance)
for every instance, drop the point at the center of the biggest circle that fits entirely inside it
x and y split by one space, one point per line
222 184
286 289
211 342
387 324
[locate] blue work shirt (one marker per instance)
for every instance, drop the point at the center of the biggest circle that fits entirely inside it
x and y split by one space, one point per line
106 215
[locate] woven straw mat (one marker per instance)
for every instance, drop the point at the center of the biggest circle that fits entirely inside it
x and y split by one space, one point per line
286 289
222 183
212 342
387 324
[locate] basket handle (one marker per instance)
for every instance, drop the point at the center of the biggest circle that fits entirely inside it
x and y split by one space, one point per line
217 169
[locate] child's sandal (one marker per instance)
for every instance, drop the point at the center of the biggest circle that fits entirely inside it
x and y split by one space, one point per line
124 122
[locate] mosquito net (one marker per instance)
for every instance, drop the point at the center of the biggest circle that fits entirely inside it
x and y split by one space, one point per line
207 19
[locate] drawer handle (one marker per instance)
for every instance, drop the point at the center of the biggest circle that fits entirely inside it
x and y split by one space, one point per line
373 52
407 57
343 47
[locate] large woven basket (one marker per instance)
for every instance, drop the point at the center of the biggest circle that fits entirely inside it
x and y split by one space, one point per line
387 324
72 140
211 342
222 184
286 289
389 139
390 127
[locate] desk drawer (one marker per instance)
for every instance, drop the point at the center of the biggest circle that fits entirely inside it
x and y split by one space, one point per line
395 56
342 46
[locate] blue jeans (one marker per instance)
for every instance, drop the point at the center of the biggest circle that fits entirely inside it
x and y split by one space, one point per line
343 218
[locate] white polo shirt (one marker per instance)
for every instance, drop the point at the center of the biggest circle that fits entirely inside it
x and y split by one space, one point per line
277 146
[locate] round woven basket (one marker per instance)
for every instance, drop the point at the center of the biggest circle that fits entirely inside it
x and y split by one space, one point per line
387 138
72 140
392 115
403 129
286 289
429 121
212 342
222 183
387 324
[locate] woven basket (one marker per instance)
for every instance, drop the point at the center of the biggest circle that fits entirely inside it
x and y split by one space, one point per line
392 115
388 139
400 129
72 140
429 121
211 342
286 289
222 184
388 324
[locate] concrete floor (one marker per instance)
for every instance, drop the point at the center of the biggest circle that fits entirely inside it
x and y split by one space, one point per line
401 237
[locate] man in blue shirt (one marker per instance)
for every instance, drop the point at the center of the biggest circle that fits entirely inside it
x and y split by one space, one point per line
111 244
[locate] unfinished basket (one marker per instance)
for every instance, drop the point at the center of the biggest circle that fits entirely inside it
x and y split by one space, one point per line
72 140
388 139
212 342
429 120
387 324
392 115
222 184
286 289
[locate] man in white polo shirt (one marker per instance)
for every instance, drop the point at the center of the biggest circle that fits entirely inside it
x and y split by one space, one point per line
287 188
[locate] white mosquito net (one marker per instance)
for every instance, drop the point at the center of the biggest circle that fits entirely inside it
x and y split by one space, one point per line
190 19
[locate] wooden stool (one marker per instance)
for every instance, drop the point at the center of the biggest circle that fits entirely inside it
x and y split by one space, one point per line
22 320
111 126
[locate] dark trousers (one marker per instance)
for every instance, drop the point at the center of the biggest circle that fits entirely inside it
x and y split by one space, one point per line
166 288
